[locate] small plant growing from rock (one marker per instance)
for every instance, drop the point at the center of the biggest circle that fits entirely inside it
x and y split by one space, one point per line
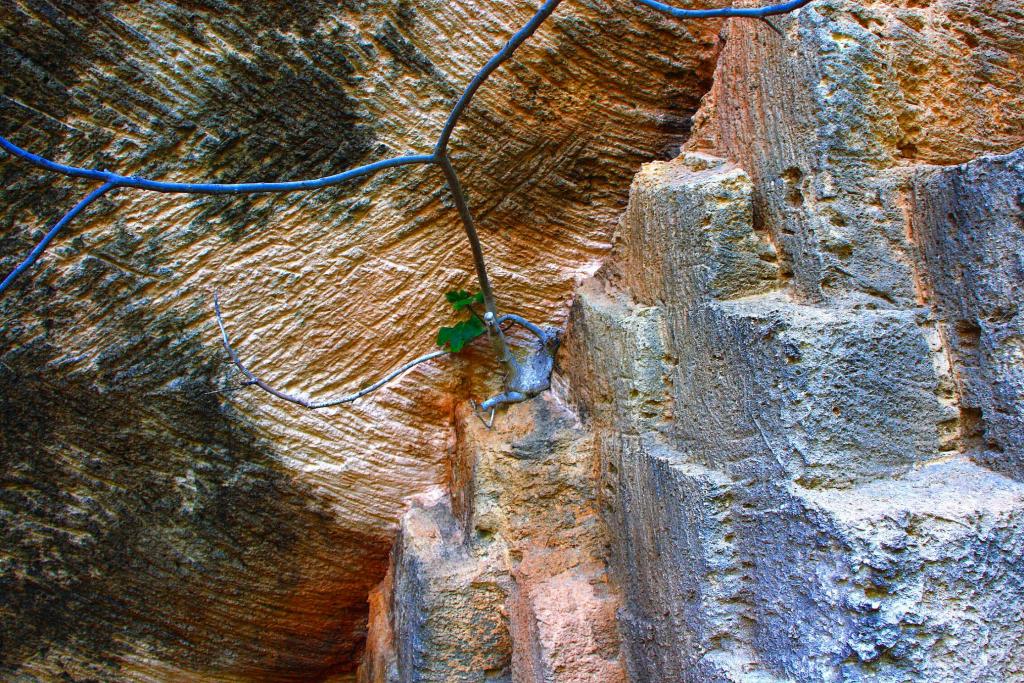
454 338
525 376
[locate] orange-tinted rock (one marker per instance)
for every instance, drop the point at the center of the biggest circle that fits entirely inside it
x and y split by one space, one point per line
780 374
526 547
160 518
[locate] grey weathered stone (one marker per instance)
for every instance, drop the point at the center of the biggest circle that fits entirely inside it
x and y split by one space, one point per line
448 618
512 585
912 579
631 392
765 387
671 260
747 381
777 476
728 580
825 118
685 616
968 221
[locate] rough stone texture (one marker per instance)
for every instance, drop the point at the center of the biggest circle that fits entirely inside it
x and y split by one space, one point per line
151 526
967 221
794 465
837 393
512 585
449 625
781 500
826 119
784 442
914 579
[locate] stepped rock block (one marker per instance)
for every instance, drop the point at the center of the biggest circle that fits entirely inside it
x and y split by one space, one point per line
913 579
687 235
615 358
968 221
448 604
768 387
765 387
896 580
684 617
513 586
827 117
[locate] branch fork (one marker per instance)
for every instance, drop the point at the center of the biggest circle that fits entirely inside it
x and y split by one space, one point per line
526 377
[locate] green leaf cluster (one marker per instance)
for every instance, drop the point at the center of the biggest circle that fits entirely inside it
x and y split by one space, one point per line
457 336
460 298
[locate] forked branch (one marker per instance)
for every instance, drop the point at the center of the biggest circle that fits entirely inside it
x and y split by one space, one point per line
524 379
34 255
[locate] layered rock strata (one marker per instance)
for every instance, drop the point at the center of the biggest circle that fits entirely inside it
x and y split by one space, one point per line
784 442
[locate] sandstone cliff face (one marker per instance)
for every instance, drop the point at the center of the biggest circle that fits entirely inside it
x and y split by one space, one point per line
785 441
155 518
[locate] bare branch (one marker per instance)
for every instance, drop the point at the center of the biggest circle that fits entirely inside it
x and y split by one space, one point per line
520 36
34 255
439 157
467 223
519 320
312 405
112 180
726 12
212 188
772 26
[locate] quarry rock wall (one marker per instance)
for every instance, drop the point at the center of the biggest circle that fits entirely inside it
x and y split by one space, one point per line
785 440
800 373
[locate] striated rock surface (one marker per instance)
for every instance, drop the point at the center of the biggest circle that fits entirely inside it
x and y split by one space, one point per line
159 522
785 437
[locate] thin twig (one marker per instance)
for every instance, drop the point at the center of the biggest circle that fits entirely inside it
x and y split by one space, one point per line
43 243
772 26
313 405
517 39
519 320
467 223
726 12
